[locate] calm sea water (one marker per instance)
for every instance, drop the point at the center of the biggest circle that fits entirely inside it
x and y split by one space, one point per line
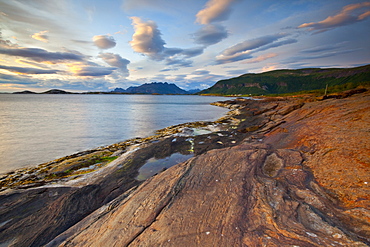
39 128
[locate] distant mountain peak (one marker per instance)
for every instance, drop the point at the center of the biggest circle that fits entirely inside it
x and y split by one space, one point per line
153 88
56 91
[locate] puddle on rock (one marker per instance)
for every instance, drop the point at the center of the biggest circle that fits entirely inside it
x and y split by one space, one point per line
153 165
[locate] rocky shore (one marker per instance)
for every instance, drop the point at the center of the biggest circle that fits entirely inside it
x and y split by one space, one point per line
273 172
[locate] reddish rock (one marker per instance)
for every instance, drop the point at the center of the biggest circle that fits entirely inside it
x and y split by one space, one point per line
299 177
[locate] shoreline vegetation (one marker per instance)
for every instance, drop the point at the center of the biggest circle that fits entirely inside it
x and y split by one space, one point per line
283 175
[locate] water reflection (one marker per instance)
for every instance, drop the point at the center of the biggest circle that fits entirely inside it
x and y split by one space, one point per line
153 165
39 128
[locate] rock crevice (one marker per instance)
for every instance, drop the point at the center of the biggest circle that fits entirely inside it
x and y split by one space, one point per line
285 172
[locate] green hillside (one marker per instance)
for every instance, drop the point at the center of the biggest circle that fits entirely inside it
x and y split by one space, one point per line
290 81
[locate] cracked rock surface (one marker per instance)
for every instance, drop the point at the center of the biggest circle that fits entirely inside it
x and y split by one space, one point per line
290 172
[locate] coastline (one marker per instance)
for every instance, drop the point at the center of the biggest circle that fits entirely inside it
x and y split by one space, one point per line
71 128
271 154
71 166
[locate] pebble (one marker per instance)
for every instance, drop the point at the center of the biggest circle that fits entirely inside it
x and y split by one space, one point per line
337 235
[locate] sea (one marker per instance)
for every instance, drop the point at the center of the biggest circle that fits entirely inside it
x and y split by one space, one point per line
37 128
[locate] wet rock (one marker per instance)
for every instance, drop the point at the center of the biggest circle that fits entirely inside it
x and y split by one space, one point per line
274 172
221 198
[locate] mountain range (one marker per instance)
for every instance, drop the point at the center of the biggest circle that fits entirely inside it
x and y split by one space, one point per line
154 88
285 81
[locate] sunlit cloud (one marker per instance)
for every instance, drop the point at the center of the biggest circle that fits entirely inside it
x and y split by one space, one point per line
82 69
349 14
147 38
115 60
210 34
34 64
104 41
25 70
41 36
244 50
215 10
269 68
260 58
148 41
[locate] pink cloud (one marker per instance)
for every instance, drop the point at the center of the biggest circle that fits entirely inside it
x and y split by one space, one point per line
348 15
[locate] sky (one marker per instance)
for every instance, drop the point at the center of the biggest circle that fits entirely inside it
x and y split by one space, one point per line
99 45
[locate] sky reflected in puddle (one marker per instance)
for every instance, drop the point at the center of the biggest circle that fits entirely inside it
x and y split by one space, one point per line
153 165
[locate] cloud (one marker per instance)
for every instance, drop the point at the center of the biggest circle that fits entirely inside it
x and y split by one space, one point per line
277 44
104 41
41 55
269 68
179 62
147 38
188 53
329 54
324 48
33 64
244 50
210 34
116 60
25 70
319 52
81 41
192 52
8 77
261 58
41 36
200 72
172 51
349 14
252 44
222 59
90 69
215 10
